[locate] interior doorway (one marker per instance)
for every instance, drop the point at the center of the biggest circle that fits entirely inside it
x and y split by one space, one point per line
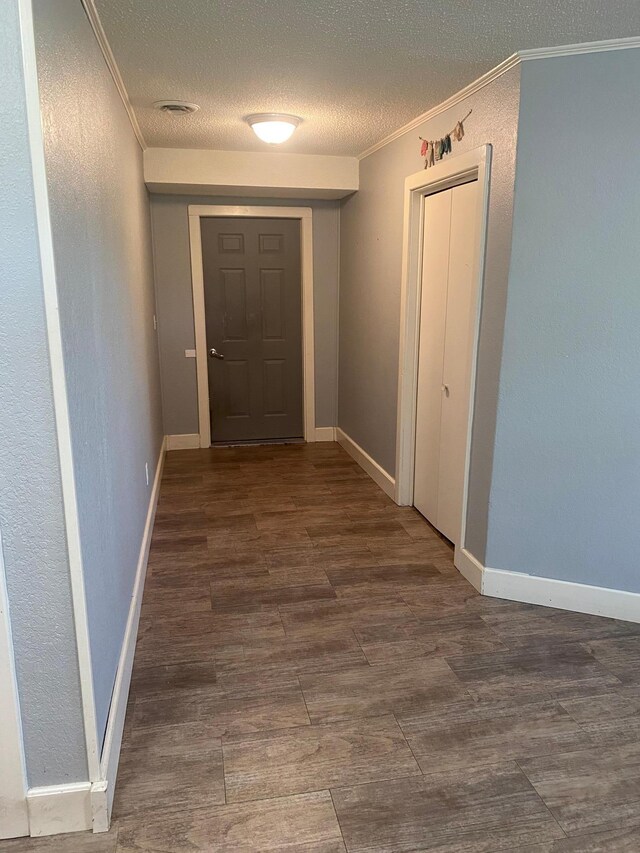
253 315
252 279
444 238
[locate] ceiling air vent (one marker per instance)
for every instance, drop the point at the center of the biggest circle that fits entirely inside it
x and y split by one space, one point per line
176 108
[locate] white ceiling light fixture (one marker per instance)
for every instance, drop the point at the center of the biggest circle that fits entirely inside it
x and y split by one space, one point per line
273 128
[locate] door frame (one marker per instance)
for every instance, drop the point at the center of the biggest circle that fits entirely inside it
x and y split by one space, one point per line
14 816
305 215
472 165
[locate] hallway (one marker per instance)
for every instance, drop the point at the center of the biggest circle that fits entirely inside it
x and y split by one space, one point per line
336 228
313 675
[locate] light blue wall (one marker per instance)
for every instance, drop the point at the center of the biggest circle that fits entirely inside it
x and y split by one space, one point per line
31 515
566 481
102 243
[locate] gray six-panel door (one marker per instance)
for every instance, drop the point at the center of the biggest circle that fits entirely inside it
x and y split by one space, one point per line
253 305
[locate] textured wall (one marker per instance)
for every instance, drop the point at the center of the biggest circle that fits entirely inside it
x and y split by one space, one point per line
175 306
371 265
102 243
566 484
31 515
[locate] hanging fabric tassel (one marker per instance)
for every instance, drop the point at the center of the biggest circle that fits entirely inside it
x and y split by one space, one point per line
433 151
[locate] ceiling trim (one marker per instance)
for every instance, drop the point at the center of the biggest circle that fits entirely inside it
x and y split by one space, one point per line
499 70
471 89
109 58
575 49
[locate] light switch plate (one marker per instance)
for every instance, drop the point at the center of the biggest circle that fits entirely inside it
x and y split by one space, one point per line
189 353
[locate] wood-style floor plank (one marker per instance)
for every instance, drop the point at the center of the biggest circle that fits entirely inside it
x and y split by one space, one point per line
528 624
590 790
277 764
460 634
486 809
372 691
183 769
622 841
469 734
554 671
354 613
229 709
620 655
299 824
75 842
612 718
293 656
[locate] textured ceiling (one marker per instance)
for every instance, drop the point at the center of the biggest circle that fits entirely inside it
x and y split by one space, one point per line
354 70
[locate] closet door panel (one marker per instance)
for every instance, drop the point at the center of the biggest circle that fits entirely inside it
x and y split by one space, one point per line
435 263
458 342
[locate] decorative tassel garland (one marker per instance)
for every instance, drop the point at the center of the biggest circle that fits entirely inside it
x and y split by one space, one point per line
434 150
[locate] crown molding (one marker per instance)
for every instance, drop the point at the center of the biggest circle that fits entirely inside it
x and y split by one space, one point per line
109 58
471 89
514 60
576 49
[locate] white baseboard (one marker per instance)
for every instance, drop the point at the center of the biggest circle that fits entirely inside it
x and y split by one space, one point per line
469 567
325 433
56 809
549 592
565 595
191 441
103 793
185 441
375 471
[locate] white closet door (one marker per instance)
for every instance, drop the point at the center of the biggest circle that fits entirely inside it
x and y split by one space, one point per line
459 337
433 305
447 318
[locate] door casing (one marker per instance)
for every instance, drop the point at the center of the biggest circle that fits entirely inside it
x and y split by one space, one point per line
14 817
475 164
305 215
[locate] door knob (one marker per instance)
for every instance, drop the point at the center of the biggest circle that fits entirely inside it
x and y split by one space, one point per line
213 353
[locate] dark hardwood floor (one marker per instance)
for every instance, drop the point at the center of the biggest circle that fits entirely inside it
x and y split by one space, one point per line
314 676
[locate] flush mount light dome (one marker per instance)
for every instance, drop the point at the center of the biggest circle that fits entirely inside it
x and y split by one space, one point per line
273 127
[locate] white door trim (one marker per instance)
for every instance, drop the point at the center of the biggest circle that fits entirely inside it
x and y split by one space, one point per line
14 816
304 214
475 164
